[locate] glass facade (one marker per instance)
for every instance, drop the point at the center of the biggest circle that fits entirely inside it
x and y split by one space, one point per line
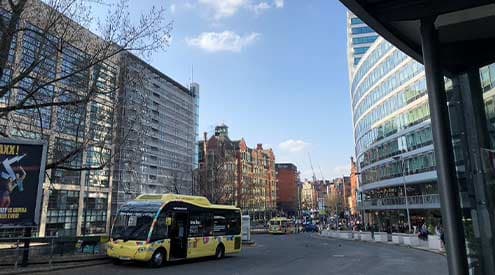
393 136
57 71
360 37
62 213
391 116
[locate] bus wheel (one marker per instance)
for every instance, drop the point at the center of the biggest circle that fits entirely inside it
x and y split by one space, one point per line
158 258
220 252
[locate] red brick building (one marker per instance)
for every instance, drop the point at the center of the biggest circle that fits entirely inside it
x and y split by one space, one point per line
232 173
287 189
354 188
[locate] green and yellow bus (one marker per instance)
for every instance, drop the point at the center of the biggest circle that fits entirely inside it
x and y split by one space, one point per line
280 225
169 227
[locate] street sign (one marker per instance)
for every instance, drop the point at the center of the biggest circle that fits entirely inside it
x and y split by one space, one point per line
22 169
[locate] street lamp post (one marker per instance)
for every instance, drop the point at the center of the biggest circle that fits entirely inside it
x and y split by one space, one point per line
403 168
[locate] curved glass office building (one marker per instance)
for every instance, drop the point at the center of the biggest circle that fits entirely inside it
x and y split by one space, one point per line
393 138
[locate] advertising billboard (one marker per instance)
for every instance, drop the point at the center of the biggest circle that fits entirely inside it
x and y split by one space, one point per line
22 169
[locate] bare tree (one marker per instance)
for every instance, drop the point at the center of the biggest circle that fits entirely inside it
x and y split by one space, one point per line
51 66
178 183
217 178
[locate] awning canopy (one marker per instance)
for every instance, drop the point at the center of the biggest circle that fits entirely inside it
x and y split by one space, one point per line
466 28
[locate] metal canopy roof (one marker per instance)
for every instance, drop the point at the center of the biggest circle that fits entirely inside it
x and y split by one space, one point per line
466 28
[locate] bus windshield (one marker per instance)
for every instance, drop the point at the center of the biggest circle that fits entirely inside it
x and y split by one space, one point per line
134 221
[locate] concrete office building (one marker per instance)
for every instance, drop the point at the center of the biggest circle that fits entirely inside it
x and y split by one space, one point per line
158 128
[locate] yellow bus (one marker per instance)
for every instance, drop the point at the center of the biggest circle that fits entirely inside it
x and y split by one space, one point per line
280 225
169 227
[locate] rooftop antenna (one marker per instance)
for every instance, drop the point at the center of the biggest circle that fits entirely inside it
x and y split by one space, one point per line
192 73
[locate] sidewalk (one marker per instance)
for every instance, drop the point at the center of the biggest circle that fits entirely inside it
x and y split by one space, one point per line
61 263
325 234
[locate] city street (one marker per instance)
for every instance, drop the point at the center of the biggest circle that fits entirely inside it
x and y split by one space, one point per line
306 253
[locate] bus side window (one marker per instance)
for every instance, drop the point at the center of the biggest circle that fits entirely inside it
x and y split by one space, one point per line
195 225
207 220
219 223
233 223
160 230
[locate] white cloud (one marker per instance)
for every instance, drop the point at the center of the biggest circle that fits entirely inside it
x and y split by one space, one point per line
189 5
172 8
226 41
224 8
260 7
293 146
279 3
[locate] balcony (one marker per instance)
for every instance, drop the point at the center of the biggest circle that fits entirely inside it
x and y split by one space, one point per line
415 202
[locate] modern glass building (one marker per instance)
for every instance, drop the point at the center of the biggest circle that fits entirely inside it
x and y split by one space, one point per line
136 132
76 201
359 38
393 139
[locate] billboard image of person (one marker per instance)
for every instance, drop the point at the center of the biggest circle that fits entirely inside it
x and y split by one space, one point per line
22 168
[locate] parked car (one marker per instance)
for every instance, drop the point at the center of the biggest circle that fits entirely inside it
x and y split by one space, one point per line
309 227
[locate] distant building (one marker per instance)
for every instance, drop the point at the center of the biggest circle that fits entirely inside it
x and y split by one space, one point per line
230 172
339 194
308 196
157 154
321 192
287 180
354 188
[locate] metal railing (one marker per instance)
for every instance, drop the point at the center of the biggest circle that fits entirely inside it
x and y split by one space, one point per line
49 250
421 201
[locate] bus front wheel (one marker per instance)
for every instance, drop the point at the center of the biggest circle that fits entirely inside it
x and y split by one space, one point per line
158 258
220 252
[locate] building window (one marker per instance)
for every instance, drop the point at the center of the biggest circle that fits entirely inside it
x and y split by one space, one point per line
61 149
95 213
356 21
360 30
360 50
62 213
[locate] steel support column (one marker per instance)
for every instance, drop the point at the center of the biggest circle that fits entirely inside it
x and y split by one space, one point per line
478 138
447 179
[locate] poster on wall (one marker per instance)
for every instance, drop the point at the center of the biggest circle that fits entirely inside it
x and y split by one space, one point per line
22 169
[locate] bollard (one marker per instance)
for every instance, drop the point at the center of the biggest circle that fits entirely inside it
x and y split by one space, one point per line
16 253
51 253
25 251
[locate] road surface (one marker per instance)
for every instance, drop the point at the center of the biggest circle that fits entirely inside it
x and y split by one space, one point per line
305 253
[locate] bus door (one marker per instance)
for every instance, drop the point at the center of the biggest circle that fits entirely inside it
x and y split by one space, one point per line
178 235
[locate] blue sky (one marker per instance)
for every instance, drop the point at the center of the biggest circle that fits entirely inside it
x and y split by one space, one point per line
274 71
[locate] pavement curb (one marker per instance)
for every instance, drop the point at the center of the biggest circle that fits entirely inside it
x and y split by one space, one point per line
389 243
76 264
